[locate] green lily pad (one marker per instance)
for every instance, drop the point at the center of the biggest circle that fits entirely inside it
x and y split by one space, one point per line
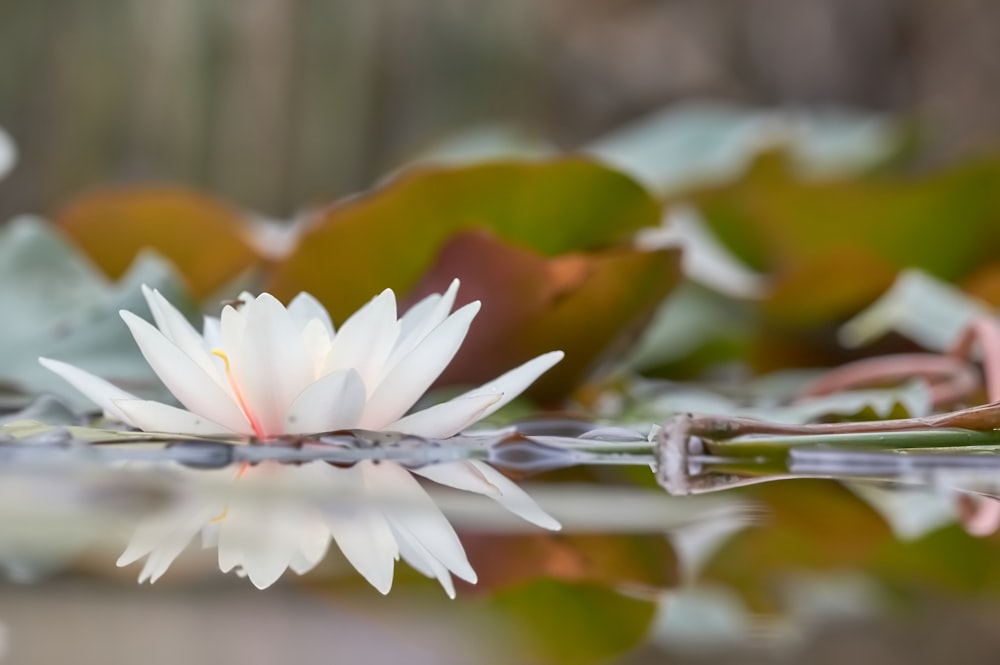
542 244
861 230
391 236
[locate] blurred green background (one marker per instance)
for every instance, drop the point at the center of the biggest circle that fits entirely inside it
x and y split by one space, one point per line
277 105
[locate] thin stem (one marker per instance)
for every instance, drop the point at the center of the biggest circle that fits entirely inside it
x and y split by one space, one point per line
771 446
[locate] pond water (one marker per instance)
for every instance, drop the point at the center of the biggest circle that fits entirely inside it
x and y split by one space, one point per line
747 550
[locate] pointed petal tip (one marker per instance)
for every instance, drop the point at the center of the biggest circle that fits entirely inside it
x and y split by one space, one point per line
387 294
552 524
128 315
553 356
382 587
263 584
264 296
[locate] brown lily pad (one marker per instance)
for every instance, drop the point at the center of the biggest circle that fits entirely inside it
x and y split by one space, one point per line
204 238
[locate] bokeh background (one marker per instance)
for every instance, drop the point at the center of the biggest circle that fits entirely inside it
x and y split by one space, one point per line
279 105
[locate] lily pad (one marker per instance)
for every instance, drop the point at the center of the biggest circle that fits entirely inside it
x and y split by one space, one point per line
542 244
206 239
58 305
391 236
700 142
582 303
861 230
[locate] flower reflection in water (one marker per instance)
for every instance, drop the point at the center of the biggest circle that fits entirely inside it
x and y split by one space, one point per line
264 371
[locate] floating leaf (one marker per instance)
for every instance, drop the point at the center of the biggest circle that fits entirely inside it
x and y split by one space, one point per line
204 238
696 143
391 236
693 328
57 305
579 303
930 312
485 143
705 260
862 231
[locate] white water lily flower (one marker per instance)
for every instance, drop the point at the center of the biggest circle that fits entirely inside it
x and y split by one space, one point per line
264 370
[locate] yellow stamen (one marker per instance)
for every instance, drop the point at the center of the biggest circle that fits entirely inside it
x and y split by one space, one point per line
222 354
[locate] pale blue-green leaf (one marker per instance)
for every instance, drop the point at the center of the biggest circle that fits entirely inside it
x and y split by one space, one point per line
690 317
704 259
700 143
485 143
920 307
656 405
65 310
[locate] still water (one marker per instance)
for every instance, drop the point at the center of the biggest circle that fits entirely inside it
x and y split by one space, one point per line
669 551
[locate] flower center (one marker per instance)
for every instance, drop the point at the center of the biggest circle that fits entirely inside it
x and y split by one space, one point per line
244 405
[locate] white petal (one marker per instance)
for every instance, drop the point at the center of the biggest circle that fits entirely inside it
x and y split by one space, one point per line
313 540
415 317
415 554
211 332
152 416
516 381
313 549
316 342
102 393
406 505
414 374
366 338
232 327
161 538
481 478
443 420
183 377
305 308
259 539
176 328
269 366
262 534
360 530
419 320
330 403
